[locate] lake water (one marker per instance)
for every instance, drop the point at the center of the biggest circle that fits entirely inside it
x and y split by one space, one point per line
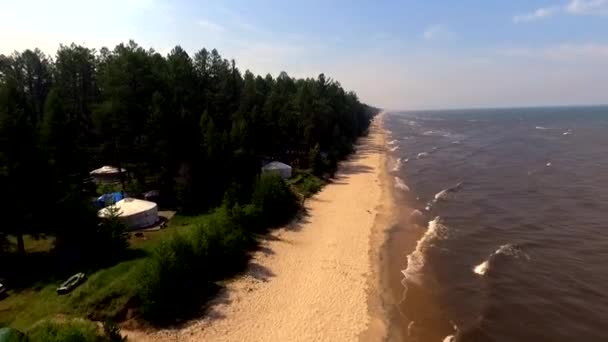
512 241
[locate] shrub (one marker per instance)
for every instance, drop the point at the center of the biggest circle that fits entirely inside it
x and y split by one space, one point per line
72 331
224 241
182 270
110 234
169 280
274 199
307 184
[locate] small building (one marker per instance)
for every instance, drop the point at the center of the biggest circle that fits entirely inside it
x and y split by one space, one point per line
134 213
279 168
107 174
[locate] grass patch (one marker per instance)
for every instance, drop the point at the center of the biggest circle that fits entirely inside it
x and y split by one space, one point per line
104 294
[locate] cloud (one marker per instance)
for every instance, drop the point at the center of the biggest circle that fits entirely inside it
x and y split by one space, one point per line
574 7
210 26
588 7
436 32
538 14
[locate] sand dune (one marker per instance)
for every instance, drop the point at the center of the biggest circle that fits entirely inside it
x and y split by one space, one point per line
312 280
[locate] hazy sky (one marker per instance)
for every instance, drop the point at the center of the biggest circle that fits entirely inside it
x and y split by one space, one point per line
394 54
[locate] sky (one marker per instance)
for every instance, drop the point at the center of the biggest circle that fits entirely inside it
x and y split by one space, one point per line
394 54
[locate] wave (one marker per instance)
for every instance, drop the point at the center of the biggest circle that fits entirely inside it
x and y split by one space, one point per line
548 164
568 132
400 184
506 250
393 142
396 165
422 155
415 261
443 195
393 149
449 338
541 128
452 337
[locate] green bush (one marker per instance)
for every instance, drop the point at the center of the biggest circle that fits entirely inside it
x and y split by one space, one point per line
110 234
275 201
169 279
73 331
306 183
182 270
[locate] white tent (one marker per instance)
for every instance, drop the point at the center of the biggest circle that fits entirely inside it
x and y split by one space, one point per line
134 213
107 174
279 168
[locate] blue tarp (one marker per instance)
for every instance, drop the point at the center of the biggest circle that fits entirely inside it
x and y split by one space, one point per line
108 199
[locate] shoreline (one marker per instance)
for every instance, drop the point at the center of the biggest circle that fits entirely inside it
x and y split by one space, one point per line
321 277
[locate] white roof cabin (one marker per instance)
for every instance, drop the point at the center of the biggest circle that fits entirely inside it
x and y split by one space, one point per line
279 168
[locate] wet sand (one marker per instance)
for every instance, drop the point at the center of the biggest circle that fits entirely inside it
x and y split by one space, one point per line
317 279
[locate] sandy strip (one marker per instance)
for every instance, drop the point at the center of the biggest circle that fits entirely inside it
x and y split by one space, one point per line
314 280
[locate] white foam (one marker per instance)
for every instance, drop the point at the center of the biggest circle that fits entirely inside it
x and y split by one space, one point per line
541 127
508 249
422 155
482 268
548 164
400 184
442 195
397 165
567 133
393 142
415 260
451 338
393 149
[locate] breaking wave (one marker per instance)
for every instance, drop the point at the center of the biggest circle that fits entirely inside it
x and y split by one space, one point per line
392 142
400 184
422 155
506 250
442 195
393 149
396 165
541 128
415 261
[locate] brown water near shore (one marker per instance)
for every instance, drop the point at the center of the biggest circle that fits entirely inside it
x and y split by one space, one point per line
401 237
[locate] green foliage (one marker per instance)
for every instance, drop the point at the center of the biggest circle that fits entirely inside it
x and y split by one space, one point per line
72 331
194 128
306 184
182 269
111 234
274 199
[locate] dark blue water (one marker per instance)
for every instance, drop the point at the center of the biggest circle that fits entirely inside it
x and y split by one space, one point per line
513 223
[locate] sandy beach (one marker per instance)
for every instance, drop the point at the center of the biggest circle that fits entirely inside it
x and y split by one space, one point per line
318 278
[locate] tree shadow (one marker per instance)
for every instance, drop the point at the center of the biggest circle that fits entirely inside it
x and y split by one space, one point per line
259 272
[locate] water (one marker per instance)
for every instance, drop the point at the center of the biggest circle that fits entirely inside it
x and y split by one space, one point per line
512 234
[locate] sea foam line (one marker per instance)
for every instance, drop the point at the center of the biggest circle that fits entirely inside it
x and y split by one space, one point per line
415 261
396 165
400 184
